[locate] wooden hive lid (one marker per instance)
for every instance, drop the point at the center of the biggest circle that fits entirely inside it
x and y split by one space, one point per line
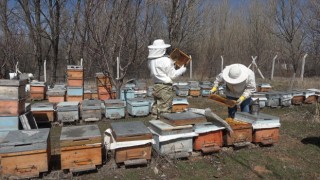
183 118
129 131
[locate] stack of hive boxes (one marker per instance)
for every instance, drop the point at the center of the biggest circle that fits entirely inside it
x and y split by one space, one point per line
12 103
75 83
104 87
38 90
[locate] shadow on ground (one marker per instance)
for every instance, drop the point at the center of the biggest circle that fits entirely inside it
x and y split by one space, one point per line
311 140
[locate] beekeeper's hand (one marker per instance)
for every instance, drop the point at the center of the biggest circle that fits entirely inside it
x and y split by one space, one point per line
240 100
213 90
181 70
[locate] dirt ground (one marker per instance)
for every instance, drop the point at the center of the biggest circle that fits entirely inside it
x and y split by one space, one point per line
296 156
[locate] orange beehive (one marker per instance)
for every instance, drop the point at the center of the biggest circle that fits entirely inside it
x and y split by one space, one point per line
242 133
74 98
209 139
74 72
266 136
75 82
12 107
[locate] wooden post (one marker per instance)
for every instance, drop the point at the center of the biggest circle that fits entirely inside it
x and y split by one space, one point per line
221 63
302 66
272 69
118 67
45 70
190 69
81 61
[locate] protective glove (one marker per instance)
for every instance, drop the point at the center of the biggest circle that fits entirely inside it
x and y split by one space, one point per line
240 100
181 70
213 90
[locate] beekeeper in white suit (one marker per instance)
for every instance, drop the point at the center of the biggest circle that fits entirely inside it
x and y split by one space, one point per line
240 84
163 72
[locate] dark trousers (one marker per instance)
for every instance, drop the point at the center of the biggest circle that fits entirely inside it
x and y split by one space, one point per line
244 106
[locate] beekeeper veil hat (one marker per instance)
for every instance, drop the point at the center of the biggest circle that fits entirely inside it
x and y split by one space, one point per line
235 73
157 49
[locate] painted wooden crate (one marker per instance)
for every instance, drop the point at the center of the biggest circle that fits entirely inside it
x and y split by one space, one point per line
285 99
194 91
182 90
138 107
43 112
210 137
241 136
102 79
81 148
131 131
25 153
264 87
126 93
205 90
56 95
310 97
179 104
12 89
115 108
273 99
173 141
38 90
297 97
12 107
183 118
72 82
68 111
9 123
91 110
265 126
75 72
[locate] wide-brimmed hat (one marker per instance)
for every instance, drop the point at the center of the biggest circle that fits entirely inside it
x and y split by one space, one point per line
158 44
235 73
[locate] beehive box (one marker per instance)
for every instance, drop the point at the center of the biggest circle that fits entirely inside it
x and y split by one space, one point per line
38 90
173 141
262 98
131 131
285 99
126 93
12 89
91 110
74 82
183 118
56 95
138 107
265 126
43 112
75 94
102 79
210 137
94 94
273 99
115 108
81 148
9 123
310 97
74 72
264 87
205 90
25 153
242 133
182 90
68 111
297 97
179 104
87 94
194 91
12 107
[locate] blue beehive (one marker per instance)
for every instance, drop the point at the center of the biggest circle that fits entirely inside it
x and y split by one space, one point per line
205 90
182 90
138 107
9 123
114 108
126 93
74 91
